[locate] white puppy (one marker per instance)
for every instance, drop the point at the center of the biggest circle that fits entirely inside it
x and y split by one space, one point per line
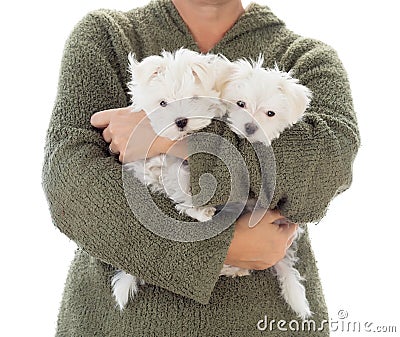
264 102
177 92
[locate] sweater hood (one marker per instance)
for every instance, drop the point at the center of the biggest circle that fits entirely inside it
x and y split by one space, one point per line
254 18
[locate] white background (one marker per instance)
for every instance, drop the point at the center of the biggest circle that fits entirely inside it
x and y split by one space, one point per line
355 244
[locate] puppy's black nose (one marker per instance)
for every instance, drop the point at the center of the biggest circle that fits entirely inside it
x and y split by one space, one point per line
250 128
181 122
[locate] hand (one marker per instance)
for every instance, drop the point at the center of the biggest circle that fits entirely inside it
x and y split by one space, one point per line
131 135
262 246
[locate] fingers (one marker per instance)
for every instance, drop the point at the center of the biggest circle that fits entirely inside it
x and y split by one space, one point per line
111 121
283 223
290 241
112 151
289 229
101 119
107 135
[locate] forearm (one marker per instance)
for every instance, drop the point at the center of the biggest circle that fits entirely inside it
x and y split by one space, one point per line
178 149
84 186
311 161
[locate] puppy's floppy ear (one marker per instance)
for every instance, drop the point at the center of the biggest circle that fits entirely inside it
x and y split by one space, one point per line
143 72
204 71
199 64
240 72
244 68
224 69
298 96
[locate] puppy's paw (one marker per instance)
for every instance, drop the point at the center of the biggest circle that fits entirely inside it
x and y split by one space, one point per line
232 271
205 214
209 211
200 214
203 217
243 272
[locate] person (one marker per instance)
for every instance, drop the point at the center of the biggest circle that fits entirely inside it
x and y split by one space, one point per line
183 294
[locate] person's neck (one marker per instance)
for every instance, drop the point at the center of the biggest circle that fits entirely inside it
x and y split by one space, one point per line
209 20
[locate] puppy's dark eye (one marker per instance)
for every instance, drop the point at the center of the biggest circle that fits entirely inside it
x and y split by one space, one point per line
163 104
241 104
270 113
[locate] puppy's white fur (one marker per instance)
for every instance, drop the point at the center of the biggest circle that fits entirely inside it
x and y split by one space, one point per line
264 102
262 91
178 93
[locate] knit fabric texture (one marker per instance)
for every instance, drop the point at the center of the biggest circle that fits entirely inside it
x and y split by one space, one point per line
183 294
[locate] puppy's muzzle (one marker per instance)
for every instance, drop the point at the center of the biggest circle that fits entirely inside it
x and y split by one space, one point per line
181 122
250 128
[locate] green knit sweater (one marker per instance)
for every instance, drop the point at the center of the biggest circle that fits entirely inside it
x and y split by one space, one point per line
183 294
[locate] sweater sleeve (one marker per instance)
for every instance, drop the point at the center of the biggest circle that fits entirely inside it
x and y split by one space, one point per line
83 183
313 159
